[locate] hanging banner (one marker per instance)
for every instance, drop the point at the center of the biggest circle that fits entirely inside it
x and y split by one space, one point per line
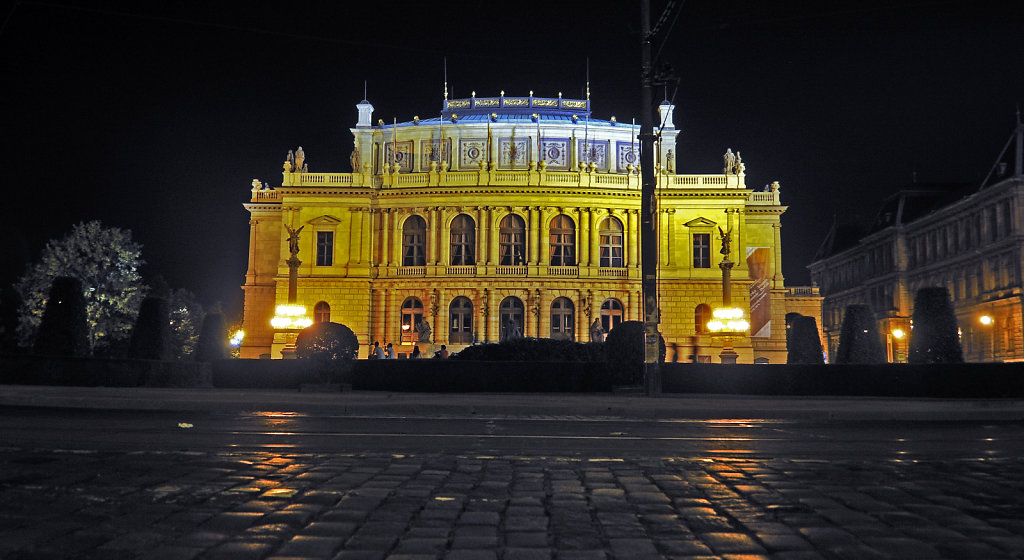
758 265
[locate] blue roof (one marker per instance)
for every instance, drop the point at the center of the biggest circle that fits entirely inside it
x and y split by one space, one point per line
514 118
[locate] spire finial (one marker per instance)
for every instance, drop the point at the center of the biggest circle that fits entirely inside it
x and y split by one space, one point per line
446 78
588 78
364 89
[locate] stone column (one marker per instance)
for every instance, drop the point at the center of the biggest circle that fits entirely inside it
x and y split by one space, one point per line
251 272
396 237
481 237
533 236
583 243
444 242
595 218
544 258
632 238
366 239
441 327
668 236
777 279
436 227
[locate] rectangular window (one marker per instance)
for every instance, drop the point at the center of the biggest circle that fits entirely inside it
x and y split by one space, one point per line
324 248
702 250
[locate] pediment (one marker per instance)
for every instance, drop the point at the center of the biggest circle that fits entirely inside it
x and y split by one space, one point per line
324 220
700 222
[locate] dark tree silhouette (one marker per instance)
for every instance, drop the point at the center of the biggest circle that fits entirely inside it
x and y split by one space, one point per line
326 341
804 342
213 339
152 332
935 338
859 339
624 349
64 329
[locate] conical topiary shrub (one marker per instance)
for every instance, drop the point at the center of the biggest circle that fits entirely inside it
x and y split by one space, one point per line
935 337
859 340
152 332
64 330
213 339
804 342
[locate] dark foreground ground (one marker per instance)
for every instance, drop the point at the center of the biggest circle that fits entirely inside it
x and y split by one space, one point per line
99 473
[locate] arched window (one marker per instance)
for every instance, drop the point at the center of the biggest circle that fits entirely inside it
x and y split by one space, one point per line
562 319
611 314
414 246
611 243
463 240
321 312
563 241
701 316
460 314
512 240
412 313
510 313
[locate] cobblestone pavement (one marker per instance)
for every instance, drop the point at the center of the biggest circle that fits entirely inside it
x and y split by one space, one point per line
408 507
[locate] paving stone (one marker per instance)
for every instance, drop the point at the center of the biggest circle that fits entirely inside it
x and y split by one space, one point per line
239 551
527 554
481 518
596 554
460 542
471 555
722 543
231 521
827 536
319 547
680 547
526 540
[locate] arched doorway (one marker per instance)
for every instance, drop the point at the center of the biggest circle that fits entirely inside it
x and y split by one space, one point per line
460 319
510 312
412 313
562 319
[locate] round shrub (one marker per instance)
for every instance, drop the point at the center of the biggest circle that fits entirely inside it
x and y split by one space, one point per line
624 348
326 341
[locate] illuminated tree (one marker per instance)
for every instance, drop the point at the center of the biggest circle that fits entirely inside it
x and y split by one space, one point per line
106 261
185 318
859 340
935 338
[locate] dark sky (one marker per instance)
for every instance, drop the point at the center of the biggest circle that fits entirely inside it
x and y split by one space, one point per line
156 116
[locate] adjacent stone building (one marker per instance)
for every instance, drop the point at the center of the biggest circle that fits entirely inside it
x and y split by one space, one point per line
965 237
511 216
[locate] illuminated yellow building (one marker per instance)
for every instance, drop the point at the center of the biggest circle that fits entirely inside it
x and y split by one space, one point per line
509 211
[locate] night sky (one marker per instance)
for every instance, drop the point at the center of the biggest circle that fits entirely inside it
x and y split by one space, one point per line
156 116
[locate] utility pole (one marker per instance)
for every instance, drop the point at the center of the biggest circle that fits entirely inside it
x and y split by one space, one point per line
648 218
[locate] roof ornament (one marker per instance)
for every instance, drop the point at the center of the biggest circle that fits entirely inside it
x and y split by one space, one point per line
300 161
534 117
454 117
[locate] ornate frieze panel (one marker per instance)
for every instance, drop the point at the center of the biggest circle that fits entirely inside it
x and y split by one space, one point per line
593 151
434 150
555 152
625 154
401 153
513 152
472 151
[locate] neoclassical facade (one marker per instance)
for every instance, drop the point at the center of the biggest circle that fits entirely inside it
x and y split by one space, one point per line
511 214
962 237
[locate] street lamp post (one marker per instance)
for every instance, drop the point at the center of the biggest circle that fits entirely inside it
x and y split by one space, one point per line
728 321
987 321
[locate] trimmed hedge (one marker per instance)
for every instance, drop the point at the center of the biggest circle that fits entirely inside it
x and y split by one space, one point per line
859 339
101 372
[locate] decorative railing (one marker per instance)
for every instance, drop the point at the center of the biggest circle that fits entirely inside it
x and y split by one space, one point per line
803 291
510 270
770 198
460 270
564 271
523 177
268 195
412 271
612 273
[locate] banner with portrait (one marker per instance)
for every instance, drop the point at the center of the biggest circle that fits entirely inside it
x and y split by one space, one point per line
758 267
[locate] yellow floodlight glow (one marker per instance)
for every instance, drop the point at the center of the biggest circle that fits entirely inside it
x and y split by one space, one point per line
290 317
728 320
985 320
898 333
236 339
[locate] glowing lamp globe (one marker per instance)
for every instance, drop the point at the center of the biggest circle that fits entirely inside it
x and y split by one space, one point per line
728 320
290 317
